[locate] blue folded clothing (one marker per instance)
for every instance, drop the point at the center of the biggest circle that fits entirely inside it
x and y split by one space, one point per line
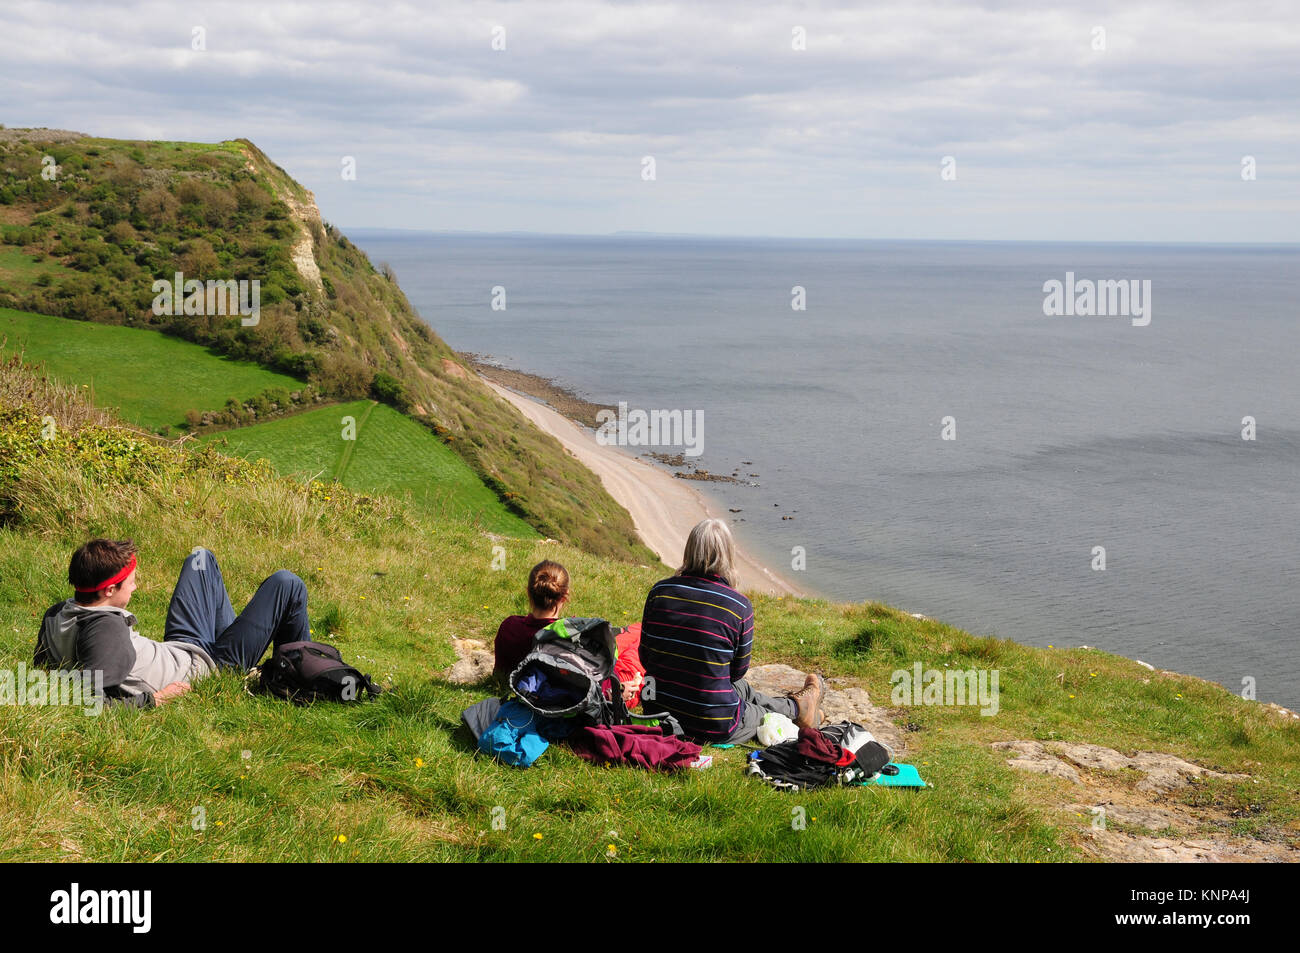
539 689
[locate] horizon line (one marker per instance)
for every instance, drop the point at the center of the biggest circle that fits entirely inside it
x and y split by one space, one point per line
634 233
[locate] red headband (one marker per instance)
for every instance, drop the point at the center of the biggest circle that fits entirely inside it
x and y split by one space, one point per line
113 580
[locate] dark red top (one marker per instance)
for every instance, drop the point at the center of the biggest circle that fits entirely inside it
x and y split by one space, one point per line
514 639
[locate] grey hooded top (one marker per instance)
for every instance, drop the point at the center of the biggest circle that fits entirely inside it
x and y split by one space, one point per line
104 638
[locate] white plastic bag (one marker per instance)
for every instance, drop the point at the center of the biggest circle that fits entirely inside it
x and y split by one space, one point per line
775 729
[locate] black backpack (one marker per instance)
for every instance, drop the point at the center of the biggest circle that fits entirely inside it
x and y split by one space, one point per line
303 672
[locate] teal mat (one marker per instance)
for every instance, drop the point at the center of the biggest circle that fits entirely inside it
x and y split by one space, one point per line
907 777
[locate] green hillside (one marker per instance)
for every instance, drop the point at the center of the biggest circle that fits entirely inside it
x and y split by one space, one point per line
152 379
155 381
397 779
390 454
89 224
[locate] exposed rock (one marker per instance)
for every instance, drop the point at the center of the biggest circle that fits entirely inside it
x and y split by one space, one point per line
1134 815
843 702
1148 806
474 662
1115 845
306 216
1093 756
1033 757
706 476
1163 772
303 250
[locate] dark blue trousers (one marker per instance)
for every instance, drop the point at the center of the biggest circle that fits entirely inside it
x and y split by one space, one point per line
200 612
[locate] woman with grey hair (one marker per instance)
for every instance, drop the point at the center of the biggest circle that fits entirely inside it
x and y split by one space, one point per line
697 636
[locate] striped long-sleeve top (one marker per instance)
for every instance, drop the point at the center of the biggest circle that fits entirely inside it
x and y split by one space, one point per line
697 635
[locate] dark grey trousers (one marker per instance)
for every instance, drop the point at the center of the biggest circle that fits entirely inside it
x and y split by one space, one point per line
754 705
200 612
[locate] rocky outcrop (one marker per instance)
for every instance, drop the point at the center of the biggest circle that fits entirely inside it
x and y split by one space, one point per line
1145 822
1163 772
306 215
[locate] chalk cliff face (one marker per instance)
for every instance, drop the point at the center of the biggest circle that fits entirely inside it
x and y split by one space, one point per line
119 215
303 212
303 251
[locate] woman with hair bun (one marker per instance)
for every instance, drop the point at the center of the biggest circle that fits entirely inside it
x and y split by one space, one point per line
548 593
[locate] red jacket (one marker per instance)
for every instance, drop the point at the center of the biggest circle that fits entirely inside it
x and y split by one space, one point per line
628 668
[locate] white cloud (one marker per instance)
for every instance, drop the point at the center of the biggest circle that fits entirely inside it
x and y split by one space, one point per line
750 135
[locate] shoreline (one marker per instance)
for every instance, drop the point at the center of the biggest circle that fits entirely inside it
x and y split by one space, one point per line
663 508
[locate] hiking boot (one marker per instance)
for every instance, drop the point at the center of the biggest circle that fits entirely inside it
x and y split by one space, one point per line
809 701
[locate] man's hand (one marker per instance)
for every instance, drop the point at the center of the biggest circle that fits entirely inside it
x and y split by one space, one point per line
174 690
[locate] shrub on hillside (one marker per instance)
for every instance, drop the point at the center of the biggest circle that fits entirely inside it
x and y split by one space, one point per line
250 196
121 233
389 390
344 376
299 364
198 259
157 205
106 455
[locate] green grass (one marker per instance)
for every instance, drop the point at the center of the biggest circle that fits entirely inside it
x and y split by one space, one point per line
151 378
392 585
390 454
17 264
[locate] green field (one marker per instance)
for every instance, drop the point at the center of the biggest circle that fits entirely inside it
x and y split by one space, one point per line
391 454
151 378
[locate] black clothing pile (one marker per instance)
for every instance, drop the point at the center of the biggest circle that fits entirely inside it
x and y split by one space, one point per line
842 753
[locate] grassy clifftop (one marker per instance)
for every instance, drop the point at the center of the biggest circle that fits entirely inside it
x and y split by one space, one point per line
89 224
221 775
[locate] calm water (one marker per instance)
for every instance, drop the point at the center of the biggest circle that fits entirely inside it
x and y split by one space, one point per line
1072 432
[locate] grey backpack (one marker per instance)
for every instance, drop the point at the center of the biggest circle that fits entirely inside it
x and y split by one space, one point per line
562 674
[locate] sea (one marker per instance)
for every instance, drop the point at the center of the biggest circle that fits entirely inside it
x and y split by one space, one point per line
908 423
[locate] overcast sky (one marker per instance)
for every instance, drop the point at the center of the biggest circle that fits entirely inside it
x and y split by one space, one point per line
1052 138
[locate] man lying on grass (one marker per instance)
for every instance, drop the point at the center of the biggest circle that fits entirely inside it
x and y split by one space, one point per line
93 632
